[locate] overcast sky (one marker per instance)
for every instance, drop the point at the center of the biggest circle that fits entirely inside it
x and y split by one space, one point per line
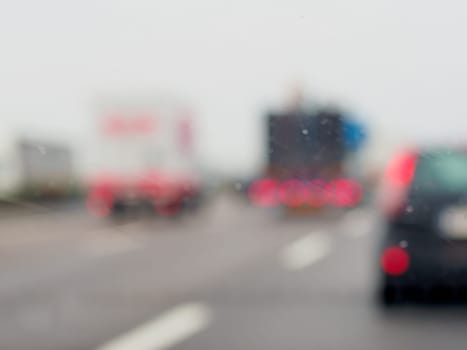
400 65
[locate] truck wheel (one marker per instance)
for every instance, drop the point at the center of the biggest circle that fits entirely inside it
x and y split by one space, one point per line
118 209
192 203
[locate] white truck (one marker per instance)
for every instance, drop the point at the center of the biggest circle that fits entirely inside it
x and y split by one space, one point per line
146 157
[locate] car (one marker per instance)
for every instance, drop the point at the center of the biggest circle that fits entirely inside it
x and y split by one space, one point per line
423 251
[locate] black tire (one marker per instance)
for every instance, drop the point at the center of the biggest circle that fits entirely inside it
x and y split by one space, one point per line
119 209
193 203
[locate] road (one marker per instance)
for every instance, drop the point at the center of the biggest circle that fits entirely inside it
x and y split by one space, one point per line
228 277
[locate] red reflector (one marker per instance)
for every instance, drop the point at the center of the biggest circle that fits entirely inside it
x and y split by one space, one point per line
395 261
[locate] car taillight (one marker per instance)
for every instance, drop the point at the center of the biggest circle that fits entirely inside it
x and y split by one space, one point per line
344 193
401 169
396 182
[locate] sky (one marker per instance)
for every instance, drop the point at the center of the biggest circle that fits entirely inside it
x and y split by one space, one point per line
400 66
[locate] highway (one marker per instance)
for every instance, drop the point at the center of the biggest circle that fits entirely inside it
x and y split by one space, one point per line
227 277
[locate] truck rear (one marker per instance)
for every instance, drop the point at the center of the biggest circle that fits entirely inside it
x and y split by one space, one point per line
146 159
306 165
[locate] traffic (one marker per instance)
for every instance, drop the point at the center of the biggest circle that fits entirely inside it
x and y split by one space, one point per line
423 198
244 175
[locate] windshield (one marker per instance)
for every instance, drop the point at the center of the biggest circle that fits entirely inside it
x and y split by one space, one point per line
224 175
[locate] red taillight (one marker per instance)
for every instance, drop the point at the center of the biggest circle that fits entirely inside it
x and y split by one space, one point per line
99 203
401 169
293 193
316 193
344 193
397 179
395 261
264 192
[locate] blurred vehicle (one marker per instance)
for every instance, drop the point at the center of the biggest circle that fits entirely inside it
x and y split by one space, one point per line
146 159
308 163
33 169
424 248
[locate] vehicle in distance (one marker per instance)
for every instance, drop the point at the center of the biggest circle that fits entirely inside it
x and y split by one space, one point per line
32 168
146 158
424 245
307 161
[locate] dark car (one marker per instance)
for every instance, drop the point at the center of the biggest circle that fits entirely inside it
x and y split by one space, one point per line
424 248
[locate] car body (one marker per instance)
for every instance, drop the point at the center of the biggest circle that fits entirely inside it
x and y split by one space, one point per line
424 245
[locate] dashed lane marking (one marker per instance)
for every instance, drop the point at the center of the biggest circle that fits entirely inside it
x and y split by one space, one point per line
357 223
306 251
165 331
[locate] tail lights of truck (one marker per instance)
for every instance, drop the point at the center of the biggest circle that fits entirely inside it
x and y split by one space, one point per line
317 193
293 193
264 192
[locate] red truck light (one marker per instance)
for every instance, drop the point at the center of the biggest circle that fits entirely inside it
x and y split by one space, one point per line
99 203
293 193
264 192
344 193
316 193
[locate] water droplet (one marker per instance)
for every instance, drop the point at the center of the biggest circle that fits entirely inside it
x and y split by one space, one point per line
305 132
409 209
403 244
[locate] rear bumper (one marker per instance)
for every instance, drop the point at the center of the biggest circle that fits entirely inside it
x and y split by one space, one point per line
432 260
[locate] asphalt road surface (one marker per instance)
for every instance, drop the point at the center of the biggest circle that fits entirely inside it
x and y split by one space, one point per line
228 277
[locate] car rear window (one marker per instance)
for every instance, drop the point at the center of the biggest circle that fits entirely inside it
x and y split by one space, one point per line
444 171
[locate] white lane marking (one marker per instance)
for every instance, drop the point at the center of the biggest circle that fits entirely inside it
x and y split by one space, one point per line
165 331
306 251
357 223
109 246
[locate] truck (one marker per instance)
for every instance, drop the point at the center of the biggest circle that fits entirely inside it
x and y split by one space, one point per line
308 160
146 158
35 168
